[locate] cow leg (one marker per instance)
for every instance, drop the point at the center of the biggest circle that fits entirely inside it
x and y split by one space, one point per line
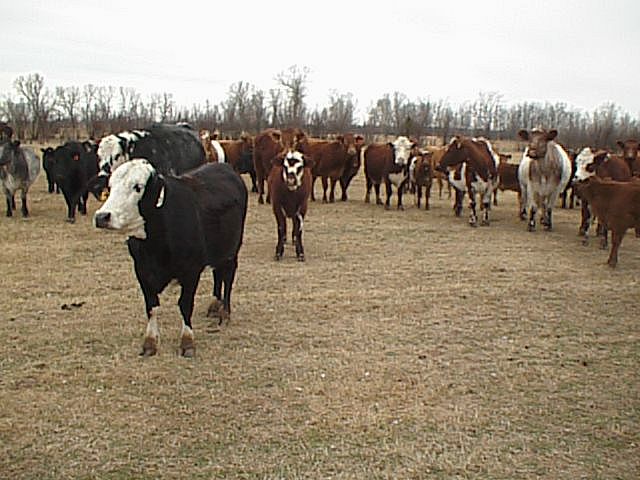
440 188
427 194
260 180
616 240
332 192
376 187
82 203
23 200
603 233
546 218
389 192
185 302
368 194
298 227
585 222
495 198
254 187
343 187
485 217
457 205
473 217
325 185
282 233
152 334
532 219
72 203
401 189
10 203
418 195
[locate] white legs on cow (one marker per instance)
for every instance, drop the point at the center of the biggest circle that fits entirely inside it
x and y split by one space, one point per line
151 337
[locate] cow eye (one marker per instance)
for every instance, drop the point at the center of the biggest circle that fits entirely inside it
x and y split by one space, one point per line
137 187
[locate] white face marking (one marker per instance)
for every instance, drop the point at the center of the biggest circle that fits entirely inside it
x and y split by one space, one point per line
584 158
402 150
110 153
219 151
127 186
293 169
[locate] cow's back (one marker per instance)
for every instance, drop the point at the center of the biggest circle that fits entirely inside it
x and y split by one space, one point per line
170 148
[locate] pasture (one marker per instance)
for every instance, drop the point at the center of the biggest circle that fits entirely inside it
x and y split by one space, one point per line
408 345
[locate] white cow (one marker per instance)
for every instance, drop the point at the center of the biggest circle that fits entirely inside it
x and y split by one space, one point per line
543 173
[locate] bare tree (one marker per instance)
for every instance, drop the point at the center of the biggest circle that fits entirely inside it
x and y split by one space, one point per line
68 101
38 99
294 83
339 117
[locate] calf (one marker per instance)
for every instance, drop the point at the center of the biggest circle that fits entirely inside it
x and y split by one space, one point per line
388 163
290 188
603 165
48 164
239 154
421 176
74 164
508 174
616 204
19 168
568 190
352 166
177 226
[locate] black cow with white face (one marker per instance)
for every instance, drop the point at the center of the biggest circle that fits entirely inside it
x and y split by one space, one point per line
176 227
74 163
171 149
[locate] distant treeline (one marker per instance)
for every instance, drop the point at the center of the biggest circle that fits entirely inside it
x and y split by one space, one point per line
38 113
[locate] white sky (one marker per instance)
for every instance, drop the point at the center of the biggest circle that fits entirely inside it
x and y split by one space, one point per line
582 52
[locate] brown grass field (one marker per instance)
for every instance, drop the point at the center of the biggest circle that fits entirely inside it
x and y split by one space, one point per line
407 346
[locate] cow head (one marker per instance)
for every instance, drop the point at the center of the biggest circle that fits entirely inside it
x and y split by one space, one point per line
403 150
10 153
293 164
629 150
454 154
587 162
135 188
537 141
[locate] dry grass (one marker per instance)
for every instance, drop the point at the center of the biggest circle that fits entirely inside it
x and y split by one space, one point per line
409 345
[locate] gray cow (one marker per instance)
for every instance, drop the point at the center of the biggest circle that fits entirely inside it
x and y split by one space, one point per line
19 168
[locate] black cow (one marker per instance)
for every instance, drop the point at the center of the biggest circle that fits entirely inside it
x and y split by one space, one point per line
177 226
74 163
171 149
48 163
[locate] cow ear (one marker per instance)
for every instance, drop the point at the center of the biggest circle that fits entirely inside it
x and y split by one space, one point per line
523 134
340 138
551 134
390 145
359 140
278 160
620 143
600 156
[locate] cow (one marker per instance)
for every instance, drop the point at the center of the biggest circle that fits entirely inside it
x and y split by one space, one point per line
267 145
421 176
616 204
19 168
178 225
6 132
508 175
290 187
388 163
48 163
351 168
502 158
603 165
440 177
568 190
630 154
212 149
171 149
74 163
481 172
330 159
239 154
543 173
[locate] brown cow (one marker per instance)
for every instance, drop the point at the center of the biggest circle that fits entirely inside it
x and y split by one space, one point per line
388 163
630 154
603 165
508 173
266 146
421 175
616 204
239 154
352 166
290 187
211 145
330 158
440 177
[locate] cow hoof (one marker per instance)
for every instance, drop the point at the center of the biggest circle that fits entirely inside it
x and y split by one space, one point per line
277 257
149 347
585 242
531 228
223 315
260 200
603 245
612 263
70 220
401 208
188 352
214 308
301 258
485 223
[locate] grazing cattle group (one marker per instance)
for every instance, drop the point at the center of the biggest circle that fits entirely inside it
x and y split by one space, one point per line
179 197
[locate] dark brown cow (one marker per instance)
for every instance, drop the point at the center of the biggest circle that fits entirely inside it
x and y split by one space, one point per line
616 204
508 173
421 176
440 177
388 163
290 187
504 158
630 154
266 146
600 164
481 174
352 166
239 154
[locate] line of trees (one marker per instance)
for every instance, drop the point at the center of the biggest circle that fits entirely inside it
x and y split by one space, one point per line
38 113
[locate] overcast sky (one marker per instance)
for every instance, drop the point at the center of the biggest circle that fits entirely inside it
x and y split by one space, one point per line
581 52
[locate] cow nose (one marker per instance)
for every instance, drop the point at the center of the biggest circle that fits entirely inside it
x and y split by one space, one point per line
102 219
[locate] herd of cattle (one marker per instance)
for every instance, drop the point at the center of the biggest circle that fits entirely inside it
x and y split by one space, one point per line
179 196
